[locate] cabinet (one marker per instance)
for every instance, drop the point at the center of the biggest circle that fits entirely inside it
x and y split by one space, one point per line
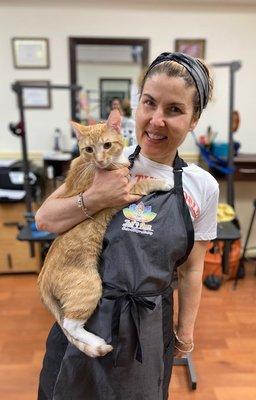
15 255
245 165
245 168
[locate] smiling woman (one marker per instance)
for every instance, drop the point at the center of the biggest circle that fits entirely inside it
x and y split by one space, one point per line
145 241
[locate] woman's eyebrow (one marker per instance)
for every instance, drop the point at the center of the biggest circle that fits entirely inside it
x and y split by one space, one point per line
149 96
176 103
172 103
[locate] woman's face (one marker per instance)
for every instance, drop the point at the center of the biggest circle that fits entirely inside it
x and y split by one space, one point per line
164 117
115 104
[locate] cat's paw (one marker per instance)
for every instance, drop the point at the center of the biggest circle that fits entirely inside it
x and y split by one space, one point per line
97 351
162 185
166 186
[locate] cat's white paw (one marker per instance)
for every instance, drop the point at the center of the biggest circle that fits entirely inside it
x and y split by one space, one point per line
161 185
97 351
166 186
76 329
87 342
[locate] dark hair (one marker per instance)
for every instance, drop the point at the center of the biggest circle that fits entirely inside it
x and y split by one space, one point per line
113 99
127 110
174 69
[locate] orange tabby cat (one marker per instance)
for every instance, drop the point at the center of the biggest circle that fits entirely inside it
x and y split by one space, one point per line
69 282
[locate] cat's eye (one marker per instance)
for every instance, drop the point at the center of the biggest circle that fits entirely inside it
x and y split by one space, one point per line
89 149
107 145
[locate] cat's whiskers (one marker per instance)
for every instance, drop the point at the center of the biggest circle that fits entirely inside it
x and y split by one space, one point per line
85 170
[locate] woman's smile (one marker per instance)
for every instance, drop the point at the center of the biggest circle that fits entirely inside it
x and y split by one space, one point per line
155 137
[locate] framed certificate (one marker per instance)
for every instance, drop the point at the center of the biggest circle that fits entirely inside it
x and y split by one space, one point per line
30 53
192 47
36 97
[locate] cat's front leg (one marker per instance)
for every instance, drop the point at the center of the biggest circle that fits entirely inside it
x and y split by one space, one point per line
87 342
146 186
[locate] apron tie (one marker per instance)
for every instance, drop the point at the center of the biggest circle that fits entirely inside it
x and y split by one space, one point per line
134 301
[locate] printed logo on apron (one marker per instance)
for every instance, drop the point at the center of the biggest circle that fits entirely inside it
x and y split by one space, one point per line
137 218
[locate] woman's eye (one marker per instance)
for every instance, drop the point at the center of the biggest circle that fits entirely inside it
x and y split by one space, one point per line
107 145
174 110
149 103
89 149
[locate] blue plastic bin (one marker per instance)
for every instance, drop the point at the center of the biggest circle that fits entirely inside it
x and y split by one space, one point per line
220 149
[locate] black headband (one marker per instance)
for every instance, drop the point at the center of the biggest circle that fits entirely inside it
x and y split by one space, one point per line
194 67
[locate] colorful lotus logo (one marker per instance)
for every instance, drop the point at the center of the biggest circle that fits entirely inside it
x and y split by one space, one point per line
139 212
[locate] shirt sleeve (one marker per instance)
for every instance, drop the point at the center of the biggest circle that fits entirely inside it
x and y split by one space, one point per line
205 226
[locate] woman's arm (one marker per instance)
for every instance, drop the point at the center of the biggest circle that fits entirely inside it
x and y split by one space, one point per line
189 291
109 189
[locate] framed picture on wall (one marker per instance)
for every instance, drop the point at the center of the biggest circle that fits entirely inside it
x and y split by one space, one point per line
39 97
30 53
192 47
113 89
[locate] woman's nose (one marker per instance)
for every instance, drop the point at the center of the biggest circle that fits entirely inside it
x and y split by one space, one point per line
157 119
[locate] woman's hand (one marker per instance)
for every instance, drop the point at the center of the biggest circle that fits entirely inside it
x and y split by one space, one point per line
110 189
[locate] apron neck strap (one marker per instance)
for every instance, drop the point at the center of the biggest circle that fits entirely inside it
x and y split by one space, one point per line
178 165
133 156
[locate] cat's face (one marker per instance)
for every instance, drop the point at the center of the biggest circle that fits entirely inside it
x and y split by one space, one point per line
99 144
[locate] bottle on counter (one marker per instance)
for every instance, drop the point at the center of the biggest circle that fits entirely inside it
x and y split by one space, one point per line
57 140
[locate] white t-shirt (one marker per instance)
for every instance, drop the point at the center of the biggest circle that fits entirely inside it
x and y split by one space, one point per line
201 191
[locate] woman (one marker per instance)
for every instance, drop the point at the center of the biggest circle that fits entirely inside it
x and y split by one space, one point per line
135 313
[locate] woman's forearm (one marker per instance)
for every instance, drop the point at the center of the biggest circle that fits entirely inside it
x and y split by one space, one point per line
189 295
190 289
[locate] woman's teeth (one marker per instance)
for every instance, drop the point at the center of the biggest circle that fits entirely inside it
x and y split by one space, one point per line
156 137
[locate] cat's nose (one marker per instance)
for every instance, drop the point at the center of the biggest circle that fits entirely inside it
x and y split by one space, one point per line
100 163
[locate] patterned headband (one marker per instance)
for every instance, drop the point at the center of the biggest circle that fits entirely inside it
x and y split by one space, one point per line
194 67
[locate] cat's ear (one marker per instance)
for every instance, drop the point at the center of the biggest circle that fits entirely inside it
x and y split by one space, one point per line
114 120
77 128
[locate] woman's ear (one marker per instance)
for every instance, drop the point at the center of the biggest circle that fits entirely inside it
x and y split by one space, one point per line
193 124
114 120
77 128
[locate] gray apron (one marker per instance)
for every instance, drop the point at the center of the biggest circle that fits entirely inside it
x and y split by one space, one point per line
142 245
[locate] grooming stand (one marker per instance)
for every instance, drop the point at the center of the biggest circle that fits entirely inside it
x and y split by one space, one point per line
187 361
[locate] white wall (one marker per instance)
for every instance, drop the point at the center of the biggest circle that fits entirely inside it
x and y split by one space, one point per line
230 36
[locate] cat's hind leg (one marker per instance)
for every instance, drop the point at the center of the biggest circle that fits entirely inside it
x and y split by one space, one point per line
94 345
